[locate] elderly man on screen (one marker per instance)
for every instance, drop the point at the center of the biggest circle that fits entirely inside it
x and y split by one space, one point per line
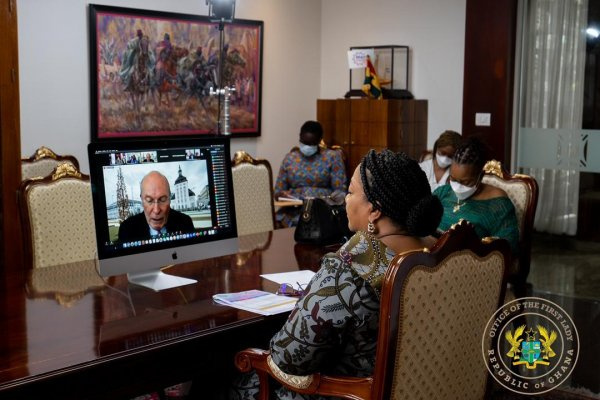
158 218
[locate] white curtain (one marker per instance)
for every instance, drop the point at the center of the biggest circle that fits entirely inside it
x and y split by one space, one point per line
553 79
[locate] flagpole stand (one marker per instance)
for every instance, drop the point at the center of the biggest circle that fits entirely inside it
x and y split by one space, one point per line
387 94
354 93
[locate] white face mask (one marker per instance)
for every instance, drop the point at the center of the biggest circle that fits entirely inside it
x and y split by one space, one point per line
443 161
461 191
308 150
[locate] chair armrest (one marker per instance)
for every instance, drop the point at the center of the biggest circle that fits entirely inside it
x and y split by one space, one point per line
345 387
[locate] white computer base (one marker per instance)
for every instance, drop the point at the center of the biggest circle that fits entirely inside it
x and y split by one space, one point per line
157 280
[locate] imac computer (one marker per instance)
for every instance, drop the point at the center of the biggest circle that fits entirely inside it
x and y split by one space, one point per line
161 202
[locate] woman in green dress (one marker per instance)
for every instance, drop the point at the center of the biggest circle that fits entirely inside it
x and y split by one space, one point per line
487 207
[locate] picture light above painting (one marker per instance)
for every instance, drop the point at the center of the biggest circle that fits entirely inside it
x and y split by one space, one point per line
151 73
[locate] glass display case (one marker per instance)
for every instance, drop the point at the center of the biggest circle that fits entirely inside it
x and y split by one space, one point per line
391 64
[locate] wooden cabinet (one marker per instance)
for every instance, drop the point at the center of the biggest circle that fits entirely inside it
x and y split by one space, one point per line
358 125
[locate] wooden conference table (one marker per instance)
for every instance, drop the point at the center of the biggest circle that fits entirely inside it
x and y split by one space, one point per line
67 333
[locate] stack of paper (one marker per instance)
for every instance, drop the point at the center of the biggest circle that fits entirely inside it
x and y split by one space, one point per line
257 301
294 278
288 198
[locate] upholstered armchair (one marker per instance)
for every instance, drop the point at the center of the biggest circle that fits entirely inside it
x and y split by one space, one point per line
523 192
58 218
434 308
42 162
253 192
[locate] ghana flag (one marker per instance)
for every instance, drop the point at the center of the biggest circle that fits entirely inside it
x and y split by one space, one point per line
371 84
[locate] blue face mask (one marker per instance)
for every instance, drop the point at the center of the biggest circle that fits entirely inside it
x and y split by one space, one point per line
308 150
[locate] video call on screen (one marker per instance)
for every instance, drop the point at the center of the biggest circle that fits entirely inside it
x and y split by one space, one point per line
197 181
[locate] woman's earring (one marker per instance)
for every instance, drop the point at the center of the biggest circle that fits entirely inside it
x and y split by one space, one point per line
371 228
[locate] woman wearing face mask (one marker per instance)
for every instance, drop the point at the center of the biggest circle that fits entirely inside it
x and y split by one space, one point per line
436 168
309 171
466 197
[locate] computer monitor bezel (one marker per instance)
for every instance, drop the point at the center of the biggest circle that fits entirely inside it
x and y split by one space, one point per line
142 264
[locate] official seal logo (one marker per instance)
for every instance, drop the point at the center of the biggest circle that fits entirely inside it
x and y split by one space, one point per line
530 345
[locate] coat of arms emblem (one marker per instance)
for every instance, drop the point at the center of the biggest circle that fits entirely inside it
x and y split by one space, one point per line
528 352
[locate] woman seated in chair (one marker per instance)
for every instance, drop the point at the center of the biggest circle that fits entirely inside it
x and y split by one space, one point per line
309 171
333 327
487 207
437 167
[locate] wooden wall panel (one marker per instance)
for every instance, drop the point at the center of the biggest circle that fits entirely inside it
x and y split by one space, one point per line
10 143
361 124
489 72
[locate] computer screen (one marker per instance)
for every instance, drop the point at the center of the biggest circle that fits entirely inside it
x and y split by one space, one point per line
161 202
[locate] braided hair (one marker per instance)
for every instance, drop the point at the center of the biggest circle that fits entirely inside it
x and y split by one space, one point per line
471 152
398 187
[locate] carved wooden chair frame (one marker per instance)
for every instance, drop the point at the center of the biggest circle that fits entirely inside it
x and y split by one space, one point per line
494 168
45 153
378 386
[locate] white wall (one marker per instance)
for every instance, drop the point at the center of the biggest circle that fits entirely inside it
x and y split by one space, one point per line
304 58
433 29
54 76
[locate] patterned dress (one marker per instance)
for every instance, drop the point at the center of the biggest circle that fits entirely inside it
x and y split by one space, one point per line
491 217
333 328
315 176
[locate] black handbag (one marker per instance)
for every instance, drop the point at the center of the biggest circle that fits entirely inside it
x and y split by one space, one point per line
322 223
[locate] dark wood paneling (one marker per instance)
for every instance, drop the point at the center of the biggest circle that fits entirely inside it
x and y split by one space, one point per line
489 72
362 124
10 177
10 144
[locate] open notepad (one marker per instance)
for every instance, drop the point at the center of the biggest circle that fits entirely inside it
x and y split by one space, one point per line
266 303
257 301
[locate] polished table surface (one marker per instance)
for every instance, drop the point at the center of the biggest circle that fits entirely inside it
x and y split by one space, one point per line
70 332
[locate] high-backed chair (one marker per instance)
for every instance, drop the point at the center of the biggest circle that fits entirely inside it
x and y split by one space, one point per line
523 192
434 308
58 218
253 191
42 162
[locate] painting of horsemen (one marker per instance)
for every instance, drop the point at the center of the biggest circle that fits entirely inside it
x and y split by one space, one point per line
152 72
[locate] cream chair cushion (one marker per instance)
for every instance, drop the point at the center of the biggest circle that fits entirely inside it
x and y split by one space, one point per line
444 314
518 192
253 198
62 222
41 168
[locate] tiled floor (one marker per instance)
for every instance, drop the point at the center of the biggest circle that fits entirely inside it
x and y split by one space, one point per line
567 272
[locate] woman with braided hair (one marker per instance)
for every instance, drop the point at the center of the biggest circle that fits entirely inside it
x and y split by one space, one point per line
487 207
333 327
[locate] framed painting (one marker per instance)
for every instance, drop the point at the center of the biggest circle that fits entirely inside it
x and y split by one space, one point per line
151 73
